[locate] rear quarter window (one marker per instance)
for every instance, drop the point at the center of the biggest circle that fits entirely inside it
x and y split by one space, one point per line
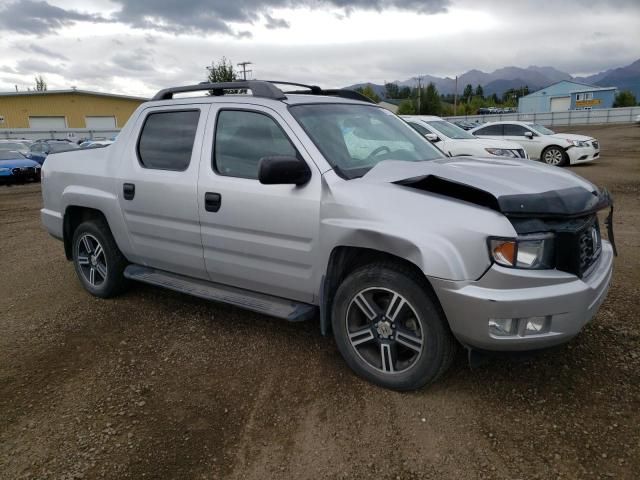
166 140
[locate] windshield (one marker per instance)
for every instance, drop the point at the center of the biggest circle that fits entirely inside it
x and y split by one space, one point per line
540 129
354 138
450 130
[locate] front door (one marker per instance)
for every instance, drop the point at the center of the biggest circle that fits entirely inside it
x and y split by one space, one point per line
516 133
258 237
157 188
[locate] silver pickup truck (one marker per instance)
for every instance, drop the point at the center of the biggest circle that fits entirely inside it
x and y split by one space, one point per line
305 203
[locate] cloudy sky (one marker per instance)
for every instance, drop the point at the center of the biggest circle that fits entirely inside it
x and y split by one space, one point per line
139 46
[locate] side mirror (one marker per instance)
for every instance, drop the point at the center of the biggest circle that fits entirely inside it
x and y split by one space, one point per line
529 135
283 170
432 137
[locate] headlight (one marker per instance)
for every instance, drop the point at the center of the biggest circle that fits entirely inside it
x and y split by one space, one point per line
578 143
502 152
533 252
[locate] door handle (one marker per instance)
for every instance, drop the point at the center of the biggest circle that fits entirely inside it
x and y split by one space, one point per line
212 201
128 191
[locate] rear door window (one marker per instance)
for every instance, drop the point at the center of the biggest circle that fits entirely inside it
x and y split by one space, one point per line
166 140
492 130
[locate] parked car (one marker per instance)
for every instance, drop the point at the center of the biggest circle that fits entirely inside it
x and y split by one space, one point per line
40 149
16 168
326 205
455 141
95 143
637 120
14 146
542 143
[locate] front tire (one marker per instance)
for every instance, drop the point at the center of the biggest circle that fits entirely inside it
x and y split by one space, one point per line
97 259
389 329
555 156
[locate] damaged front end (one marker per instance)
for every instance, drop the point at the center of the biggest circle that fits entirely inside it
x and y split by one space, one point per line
566 218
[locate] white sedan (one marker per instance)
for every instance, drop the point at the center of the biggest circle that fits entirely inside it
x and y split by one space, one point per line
455 141
543 144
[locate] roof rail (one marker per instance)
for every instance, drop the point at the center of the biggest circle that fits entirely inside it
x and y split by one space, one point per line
258 88
333 92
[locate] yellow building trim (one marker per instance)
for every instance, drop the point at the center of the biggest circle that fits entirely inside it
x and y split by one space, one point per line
73 106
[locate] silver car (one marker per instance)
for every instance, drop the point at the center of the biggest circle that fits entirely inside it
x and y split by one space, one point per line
318 204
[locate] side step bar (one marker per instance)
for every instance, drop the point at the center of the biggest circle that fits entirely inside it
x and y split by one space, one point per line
257 302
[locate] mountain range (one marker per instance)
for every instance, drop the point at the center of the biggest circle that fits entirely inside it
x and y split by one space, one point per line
498 81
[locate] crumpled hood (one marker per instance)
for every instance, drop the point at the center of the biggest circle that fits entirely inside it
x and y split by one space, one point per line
515 187
571 136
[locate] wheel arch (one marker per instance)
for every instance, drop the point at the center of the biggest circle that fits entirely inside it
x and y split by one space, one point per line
74 215
346 259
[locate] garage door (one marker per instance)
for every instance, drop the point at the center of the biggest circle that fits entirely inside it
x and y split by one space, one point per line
48 123
100 122
560 104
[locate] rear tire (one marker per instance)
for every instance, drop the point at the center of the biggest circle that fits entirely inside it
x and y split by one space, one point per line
555 156
98 261
390 329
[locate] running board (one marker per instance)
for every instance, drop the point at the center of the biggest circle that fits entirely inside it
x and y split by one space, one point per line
257 302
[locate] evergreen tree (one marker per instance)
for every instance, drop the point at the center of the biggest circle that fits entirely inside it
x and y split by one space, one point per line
625 98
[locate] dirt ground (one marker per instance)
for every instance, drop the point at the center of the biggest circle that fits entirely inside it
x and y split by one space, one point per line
155 384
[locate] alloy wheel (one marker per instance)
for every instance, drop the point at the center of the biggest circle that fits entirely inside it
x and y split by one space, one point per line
553 156
384 330
91 260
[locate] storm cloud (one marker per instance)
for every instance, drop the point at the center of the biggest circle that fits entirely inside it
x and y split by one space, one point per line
40 18
188 16
139 46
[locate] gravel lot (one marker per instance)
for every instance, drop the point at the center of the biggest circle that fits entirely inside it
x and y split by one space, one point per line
156 384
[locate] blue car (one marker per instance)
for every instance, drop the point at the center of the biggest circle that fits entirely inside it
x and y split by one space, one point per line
40 149
16 168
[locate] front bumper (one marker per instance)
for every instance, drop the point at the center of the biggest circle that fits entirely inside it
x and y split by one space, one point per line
503 293
582 154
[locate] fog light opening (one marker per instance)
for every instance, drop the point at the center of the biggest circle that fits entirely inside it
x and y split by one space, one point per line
502 327
537 325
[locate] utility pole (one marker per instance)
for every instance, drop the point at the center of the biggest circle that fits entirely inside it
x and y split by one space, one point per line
244 69
419 79
455 98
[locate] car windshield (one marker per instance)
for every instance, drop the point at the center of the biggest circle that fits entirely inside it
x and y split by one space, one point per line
450 130
540 129
355 138
8 155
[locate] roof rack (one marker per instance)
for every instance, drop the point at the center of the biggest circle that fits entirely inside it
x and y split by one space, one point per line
332 92
260 88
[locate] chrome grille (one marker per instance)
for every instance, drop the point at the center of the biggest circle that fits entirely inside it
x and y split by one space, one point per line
589 246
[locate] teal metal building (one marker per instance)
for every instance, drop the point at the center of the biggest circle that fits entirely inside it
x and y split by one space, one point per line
567 95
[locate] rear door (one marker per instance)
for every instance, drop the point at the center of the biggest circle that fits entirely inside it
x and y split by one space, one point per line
258 237
490 131
157 188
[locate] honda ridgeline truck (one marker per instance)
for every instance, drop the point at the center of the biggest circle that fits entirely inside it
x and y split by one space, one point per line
317 203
